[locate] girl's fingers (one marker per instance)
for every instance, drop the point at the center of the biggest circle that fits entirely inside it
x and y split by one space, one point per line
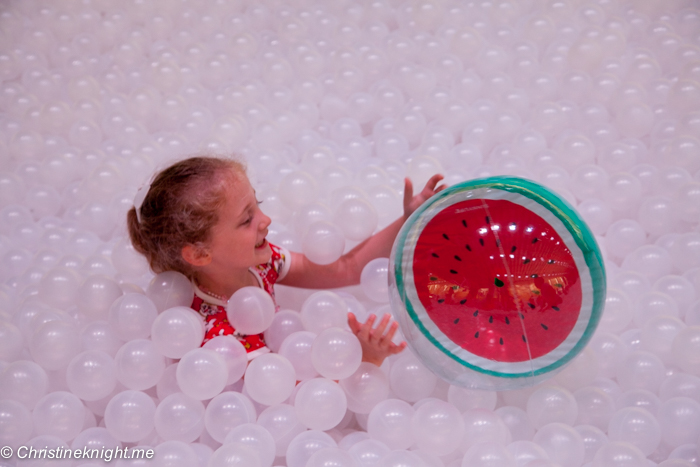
366 328
379 332
390 334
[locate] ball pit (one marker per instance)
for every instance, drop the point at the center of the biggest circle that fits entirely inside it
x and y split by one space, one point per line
331 105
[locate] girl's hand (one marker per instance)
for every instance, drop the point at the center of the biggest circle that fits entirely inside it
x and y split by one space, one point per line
376 345
411 203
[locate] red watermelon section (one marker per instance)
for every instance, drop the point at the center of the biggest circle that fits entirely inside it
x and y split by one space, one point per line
497 280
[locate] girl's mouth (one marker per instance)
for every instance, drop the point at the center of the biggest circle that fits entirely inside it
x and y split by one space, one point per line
261 244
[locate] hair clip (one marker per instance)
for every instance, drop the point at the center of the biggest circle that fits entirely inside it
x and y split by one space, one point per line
139 199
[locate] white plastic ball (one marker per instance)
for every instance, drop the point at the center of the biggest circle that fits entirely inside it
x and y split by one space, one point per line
517 421
250 310
179 417
54 344
283 324
365 388
410 380
59 414
282 422
323 310
488 454
256 438
684 350
234 354
323 242
131 316
390 422
635 426
170 289
305 444
297 349
176 331
91 375
331 456
336 353
59 287
320 404
357 218
270 379
374 280
562 443
202 373
550 404
437 427
595 407
225 412
234 455
139 364
624 236
481 426
129 416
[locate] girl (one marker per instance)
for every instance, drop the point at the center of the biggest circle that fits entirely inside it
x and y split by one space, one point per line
200 217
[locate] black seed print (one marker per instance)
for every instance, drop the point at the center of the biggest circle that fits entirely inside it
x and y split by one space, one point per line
534 241
476 313
524 340
545 327
464 223
445 236
526 260
555 308
498 243
477 334
455 287
512 250
453 271
490 319
522 316
498 282
534 276
432 278
531 305
551 261
458 258
481 240
488 220
441 300
507 320
501 341
435 255
456 321
468 247
462 302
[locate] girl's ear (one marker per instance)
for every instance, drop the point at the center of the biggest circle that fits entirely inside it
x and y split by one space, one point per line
196 255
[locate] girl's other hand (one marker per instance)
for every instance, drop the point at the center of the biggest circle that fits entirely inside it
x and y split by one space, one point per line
376 343
411 203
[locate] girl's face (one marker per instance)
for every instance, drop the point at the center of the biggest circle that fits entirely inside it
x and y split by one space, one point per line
238 240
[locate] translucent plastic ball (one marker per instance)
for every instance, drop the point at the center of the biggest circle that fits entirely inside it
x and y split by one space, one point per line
202 374
234 455
649 260
11 342
623 237
250 310
297 349
179 417
331 456
227 411
297 189
131 316
365 388
653 305
283 324
679 288
320 404
59 414
635 426
282 422
15 424
552 404
641 370
480 426
684 350
488 454
234 354
679 421
91 375
357 218
562 443
54 344
305 444
256 438
176 331
437 427
174 453
323 310
410 380
323 242
59 287
97 294
170 289
618 454
374 280
99 336
465 399
129 416
658 335
270 379
336 353
390 422
139 364
595 407
25 382
517 421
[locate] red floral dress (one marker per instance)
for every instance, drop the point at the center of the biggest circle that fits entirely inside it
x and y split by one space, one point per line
214 310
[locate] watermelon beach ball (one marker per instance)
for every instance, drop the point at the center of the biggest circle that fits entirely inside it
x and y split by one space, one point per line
497 283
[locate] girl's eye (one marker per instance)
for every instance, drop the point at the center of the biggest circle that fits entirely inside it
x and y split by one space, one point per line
259 202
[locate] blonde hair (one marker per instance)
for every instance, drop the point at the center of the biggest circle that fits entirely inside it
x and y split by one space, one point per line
181 208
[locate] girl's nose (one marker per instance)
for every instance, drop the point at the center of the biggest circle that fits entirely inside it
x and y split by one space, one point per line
265 223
